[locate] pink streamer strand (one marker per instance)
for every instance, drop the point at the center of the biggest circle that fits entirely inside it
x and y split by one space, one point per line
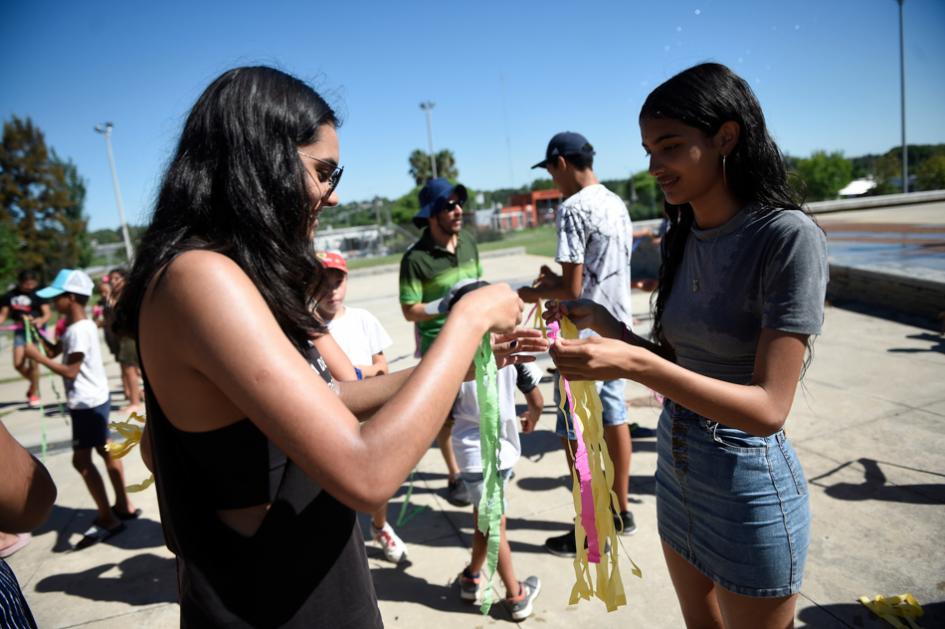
583 468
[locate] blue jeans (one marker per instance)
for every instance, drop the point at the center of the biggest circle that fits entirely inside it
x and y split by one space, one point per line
614 407
733 505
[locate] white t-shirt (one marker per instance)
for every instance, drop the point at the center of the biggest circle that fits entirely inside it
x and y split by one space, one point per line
465 433
594 229
359 334
89 388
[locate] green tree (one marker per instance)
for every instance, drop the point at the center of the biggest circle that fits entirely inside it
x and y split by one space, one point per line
402 210
41 201
930 174
618 187
77 245
446 165
421 169
8 248
646 200
105 236
824 174
542 184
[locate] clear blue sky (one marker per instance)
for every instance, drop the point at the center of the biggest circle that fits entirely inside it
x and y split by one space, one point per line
505 76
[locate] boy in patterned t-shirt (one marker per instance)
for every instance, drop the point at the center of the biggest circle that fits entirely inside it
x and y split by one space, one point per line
594 244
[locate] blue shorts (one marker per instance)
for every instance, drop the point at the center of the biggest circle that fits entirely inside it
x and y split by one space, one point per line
90 426
733 505
474 483
612 402
19 338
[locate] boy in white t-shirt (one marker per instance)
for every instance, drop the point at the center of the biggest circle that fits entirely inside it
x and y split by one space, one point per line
88 400
363 340
520 595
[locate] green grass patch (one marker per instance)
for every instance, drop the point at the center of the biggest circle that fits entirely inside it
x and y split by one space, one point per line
538 241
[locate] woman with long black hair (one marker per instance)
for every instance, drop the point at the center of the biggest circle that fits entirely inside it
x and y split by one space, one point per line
741 293
260 461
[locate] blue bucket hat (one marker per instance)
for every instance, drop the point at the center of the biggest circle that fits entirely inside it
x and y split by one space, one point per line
433 198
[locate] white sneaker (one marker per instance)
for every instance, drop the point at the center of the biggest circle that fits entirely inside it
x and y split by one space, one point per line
394 548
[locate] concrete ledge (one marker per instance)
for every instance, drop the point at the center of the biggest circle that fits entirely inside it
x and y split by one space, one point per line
881 201
922 296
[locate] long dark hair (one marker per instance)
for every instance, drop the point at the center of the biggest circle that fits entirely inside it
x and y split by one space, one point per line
704 97
236 186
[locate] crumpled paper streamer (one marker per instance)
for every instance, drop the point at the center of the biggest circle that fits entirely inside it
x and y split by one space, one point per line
131 433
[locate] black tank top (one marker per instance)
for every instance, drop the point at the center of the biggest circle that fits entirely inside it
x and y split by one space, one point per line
304 567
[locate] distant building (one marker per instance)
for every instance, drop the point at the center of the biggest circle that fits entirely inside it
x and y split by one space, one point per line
354 242
528 210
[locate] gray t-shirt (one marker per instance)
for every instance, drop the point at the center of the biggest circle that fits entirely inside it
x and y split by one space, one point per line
594 229
758 270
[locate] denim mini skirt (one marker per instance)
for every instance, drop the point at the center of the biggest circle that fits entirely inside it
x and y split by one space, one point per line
732 504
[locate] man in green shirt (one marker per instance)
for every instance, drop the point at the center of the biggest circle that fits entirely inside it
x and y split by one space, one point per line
442 256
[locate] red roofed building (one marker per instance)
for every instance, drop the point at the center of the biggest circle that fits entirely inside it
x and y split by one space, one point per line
529 209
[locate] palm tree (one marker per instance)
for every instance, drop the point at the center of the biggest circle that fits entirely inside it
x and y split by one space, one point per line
421 171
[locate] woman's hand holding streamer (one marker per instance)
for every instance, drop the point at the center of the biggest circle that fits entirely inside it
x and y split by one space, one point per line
585 314
596 358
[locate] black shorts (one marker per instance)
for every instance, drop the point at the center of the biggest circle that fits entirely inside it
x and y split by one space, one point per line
90 426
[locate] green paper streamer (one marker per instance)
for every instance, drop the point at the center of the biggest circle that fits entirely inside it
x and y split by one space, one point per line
28 332
492 503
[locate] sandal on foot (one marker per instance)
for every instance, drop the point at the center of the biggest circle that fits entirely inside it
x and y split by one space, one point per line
124 517
96 534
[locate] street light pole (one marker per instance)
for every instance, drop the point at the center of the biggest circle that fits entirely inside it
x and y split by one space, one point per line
106 130
902 95
427 107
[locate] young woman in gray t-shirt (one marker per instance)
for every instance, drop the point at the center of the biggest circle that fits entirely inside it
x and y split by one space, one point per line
741 293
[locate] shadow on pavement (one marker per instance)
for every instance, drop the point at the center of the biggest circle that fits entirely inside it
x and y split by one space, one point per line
856 615
537 444
875 486
937 341
640 485
141 580
394 584
543 483
67 522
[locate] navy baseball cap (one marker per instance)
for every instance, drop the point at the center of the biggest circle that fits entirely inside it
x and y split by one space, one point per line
566 143
433 198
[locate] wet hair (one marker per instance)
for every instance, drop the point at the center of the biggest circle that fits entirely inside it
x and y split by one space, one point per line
26 275
705 97
235 185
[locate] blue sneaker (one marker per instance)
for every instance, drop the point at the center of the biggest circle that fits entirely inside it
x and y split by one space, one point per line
521 606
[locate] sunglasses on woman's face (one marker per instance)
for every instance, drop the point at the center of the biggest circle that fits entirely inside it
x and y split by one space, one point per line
333 178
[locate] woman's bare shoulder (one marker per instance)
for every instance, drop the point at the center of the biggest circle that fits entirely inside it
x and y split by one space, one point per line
200 275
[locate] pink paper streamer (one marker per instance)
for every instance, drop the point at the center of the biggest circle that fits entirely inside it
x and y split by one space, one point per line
583 468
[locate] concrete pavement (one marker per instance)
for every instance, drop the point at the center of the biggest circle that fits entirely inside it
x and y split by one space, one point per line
868 424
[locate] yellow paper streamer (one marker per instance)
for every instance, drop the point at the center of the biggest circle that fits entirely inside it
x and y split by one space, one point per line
609 585
892 608
131 434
